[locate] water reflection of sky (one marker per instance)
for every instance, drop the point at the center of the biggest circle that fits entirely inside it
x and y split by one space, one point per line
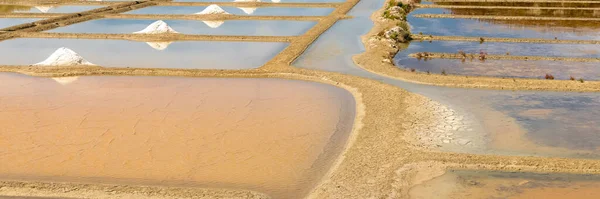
117 53
234 27
8 22
566 120
60 9
504 68
475 28
270 11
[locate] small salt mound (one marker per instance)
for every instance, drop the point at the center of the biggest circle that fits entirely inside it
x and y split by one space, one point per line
275 1
43 9
65 80
159 45
214 24
247 10
158 27
64 57
212 10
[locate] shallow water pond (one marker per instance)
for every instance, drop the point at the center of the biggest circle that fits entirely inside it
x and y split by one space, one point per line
123 53
501 28
495 184
270 11
45 9
525 11
269 135
491 122
233 27
503 68
8 22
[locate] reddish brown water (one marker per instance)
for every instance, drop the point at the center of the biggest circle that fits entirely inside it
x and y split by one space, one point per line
270 135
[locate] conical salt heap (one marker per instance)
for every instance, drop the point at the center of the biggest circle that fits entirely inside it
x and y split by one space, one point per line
64 57
159 45
158 27
247 10
213 10
275 1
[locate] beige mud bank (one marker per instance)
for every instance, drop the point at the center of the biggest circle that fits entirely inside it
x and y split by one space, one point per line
221 133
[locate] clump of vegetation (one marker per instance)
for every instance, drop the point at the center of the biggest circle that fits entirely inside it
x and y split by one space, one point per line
428 72
462 53
482 55
581 80
507 53
481 40
444 72
572 78
412 70
549 76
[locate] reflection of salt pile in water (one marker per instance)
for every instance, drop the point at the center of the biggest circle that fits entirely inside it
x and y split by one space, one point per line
213 9
158 27
65 80
247 10
64 57
44 9
159 45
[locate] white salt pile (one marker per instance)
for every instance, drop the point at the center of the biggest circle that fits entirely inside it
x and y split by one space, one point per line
275 1
43 9
213 10
247 10
159 45
64 57
65 80
158 27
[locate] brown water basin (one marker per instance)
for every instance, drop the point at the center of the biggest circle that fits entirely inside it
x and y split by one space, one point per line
491 184
269 135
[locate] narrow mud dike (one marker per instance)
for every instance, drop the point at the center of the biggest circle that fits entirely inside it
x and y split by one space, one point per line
499 39
158 37
211 17
515 1
499 57
502 7
450 16
253 4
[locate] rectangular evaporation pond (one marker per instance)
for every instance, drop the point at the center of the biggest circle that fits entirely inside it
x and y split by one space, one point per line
502 48
503 68
582 30
8 22
257 134
231 27
56 9
497 184
527 4
266 11
525 12
122 53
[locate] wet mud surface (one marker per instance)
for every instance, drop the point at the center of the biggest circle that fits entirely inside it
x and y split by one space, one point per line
173 131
